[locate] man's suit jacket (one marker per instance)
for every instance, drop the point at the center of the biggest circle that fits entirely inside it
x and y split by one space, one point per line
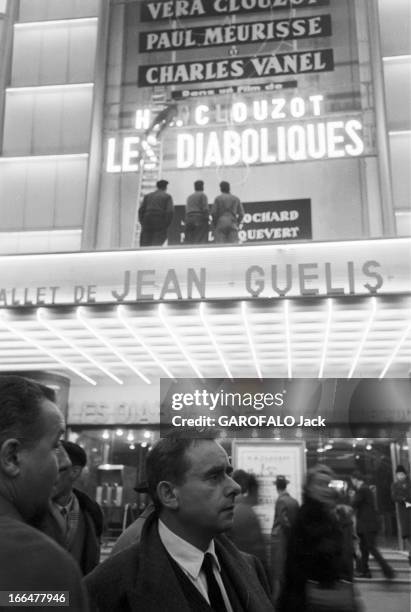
141 578
86 550
286 509
31 561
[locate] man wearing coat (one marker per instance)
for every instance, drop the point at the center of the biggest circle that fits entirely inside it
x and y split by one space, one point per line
183 563
227 213
367 527
75 520
285 513
196 219
30 455
155 215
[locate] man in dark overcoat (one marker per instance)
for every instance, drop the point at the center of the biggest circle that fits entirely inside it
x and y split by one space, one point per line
183 562
367 527
285 513
30 455
74 519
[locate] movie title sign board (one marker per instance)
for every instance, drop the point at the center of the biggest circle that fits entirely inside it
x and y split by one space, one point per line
235 34
347 268
249 131
262 222
250 67
186 9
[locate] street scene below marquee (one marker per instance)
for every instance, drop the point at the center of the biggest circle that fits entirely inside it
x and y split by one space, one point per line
205 298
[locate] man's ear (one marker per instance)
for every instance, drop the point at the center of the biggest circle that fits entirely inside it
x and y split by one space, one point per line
166 493
10 457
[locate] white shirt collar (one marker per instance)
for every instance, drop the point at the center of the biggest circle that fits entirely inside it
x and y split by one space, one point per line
185 554
67 506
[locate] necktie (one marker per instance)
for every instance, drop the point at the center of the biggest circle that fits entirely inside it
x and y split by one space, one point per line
214 592
64 514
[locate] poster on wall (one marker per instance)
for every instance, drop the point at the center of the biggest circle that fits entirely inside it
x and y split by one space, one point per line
267 461
263 222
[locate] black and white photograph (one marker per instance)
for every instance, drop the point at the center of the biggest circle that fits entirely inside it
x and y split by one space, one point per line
205 305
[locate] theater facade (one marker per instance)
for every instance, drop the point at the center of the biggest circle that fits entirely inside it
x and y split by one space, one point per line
304 107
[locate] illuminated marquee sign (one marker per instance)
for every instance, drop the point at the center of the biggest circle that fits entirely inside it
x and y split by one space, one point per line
240 33
148 284
125 155
313 138
365 267
251 67
183 9
261 131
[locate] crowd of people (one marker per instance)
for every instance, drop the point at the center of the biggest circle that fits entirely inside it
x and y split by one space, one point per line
198 545
223 217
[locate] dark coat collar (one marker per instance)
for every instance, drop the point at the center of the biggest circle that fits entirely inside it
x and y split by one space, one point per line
156 576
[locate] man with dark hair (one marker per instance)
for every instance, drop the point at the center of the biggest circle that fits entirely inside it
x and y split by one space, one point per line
227 213
75 520
285 513
196 219
367 527
183 562
155 215
31 427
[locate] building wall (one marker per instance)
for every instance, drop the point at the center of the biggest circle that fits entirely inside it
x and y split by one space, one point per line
47 124
395 17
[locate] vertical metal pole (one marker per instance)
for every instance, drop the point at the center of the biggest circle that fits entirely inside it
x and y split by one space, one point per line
384 161
6 50
89 236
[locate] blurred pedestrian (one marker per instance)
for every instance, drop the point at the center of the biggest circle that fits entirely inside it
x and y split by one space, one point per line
401 495
155 215
246 530
31 427
75 520
227 213
285 513
367 527
196 219
319 566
